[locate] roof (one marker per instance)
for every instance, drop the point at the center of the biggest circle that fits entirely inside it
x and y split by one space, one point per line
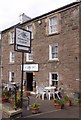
39 17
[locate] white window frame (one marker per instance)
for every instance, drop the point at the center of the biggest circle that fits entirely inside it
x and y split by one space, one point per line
11 37
12 57
11 77
29 56
53 24
50 78
53 53
30 28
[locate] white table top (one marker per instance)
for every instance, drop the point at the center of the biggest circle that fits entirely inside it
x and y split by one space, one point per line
50 87
33 93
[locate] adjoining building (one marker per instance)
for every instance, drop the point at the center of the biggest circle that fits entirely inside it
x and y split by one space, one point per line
0 61
54 49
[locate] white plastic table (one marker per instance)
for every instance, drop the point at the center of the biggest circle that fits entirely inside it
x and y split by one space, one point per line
50 91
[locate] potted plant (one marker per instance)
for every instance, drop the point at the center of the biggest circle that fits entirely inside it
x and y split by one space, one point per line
35 108
67 101
79 101
18 102
14 107
59 104
5 96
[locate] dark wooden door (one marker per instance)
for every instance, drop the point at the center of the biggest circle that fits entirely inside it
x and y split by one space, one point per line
29 81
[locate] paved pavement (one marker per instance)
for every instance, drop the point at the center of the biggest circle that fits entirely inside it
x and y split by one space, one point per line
47 110
0 115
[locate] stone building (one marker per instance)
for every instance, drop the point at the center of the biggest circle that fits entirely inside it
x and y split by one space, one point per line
0 61
54 48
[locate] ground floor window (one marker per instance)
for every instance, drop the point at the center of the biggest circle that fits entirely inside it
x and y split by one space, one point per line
11 76
53 78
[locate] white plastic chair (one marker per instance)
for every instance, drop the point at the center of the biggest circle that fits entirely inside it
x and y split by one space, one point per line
58 92
40 91
51 94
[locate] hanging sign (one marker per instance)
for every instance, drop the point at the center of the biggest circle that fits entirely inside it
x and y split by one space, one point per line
22 40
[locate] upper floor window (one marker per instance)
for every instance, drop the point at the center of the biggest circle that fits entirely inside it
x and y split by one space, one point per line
53 52
53 25
30 29
11 37
29 56
12 57
53 78
11 76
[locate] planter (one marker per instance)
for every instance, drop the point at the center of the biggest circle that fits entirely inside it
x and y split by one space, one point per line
79 101
4 99
34 110
58 106
68 103
80 104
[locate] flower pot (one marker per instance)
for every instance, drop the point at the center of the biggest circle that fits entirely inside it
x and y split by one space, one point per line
58 106
80 104
68 103
34 110
4 99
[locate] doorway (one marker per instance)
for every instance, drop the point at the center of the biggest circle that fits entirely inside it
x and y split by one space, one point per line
29 78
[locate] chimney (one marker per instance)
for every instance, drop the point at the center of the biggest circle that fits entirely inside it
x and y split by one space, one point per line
78 0
23 18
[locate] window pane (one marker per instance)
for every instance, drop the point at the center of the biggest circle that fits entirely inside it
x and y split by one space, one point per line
54 55
12 37
12 75
54 76
54 52
54 83
53 25
30 29
29 56
13 56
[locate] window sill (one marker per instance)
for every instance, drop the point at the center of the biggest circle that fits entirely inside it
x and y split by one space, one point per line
32 38
51 34
54 60
11 63
11 43
29 61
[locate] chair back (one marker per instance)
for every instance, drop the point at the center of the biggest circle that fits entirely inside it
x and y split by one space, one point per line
40 89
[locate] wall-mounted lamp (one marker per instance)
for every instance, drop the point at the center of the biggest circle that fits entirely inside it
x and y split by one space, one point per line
39 21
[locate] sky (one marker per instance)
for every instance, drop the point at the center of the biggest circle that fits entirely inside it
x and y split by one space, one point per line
11 9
